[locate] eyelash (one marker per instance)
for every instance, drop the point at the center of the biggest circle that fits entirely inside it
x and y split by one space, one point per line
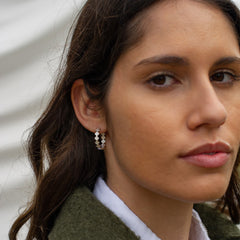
232 75
174 79
150 81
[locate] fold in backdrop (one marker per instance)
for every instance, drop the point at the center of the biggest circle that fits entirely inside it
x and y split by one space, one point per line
32 37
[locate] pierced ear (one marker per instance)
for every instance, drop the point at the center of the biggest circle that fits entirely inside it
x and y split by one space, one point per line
88 112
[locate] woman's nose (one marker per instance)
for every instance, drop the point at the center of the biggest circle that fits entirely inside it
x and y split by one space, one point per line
206 109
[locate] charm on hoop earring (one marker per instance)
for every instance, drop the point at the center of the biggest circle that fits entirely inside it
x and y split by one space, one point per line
100 144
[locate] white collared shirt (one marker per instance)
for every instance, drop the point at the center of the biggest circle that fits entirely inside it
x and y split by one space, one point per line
108 198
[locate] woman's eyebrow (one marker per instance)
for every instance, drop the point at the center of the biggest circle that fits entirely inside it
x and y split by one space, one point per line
166 60
227 60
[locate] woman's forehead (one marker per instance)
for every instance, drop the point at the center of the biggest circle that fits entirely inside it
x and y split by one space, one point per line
182 26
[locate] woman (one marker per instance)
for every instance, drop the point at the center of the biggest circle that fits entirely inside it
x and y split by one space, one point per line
155 84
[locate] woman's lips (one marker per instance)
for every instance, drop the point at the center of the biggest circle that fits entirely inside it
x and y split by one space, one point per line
210 155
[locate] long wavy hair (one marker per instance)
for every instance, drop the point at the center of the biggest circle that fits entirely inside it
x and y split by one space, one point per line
61 151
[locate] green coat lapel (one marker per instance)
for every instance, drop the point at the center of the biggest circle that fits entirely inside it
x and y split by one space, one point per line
217 224
83 217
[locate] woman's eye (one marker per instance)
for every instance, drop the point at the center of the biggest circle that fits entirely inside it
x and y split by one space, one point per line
224 78
162 81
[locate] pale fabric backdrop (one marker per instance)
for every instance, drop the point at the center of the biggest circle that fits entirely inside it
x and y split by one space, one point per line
32 36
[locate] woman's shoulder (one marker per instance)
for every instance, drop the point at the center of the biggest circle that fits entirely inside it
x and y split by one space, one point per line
84 217
219 227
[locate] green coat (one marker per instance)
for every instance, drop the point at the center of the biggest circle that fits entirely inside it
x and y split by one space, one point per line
83 217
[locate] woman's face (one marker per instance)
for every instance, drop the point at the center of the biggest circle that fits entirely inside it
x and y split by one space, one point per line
173 107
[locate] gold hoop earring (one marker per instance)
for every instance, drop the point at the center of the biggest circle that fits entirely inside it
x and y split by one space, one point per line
100 144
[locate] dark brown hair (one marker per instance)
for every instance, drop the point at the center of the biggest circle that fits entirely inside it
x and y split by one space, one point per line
104 29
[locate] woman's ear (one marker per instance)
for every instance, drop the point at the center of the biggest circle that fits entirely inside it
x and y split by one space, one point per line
89 113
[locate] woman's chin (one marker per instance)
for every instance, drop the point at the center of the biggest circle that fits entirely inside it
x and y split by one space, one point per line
206 195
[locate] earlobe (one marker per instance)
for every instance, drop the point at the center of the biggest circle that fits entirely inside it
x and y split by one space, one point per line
88 112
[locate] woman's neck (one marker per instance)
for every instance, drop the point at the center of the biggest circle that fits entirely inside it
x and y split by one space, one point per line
168 218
